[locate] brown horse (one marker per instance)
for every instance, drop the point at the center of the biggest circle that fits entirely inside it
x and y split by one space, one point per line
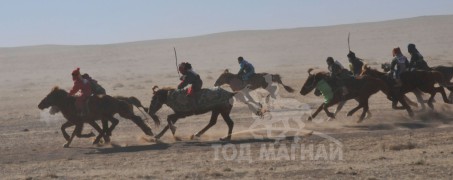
131 101
446 71
412 80
101 107
259 80
361 91
167 96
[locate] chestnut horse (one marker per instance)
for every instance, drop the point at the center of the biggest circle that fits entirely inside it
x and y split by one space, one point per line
164 96
100 107
361 91
412 80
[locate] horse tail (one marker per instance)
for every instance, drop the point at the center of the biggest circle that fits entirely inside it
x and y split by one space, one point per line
440 79
278 79
134 101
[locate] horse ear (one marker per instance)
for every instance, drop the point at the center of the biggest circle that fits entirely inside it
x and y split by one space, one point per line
309 71
154 89
226 71
55 88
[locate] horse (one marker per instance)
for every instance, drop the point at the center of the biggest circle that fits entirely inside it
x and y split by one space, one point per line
101 107
258 80
339 106
412 80
216 101
132 101
446 71
361 91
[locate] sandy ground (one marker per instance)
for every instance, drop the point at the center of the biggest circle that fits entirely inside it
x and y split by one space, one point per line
389 145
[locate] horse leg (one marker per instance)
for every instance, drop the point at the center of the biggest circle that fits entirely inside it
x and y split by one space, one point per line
229 122
137 120
418 95
171 119
105 127
339 107
77 129
352 111
365 110
450 97
326 109
312 116
272 91
211 123
255 108
63 129
431 99
406 106
101 132
108 131
80 135
444 95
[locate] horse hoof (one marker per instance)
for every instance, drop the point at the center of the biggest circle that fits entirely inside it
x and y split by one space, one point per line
66 145
173 129
349 114
359 121
309 118
194 137
91 134
177 138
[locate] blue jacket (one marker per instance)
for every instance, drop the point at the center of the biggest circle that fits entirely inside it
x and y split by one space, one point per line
246 67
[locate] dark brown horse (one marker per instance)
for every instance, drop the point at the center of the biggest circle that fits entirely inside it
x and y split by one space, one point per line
132 101
362 90
165 96
101 107
446 71
412 80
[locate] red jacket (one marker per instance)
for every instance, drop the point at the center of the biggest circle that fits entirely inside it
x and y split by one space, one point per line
82 85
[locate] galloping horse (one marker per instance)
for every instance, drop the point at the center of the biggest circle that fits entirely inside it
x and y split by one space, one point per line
446 71
216 100
362 91
101 107
412 80
259 80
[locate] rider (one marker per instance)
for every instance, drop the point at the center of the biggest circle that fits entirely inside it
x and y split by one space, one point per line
95 87
417 62
247 70
83 86
355 65
189 77
338 74
399 65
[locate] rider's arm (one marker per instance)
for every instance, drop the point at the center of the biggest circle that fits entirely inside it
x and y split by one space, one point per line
184 82
77 86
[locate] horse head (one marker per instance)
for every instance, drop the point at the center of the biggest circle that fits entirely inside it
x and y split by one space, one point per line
157 101
386 67
311 82
224 78
53 98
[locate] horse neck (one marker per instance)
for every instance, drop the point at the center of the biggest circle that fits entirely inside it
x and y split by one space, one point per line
67 106
229 77
379 74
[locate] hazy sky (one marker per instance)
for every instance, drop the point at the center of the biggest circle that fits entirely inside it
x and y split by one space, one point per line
33 22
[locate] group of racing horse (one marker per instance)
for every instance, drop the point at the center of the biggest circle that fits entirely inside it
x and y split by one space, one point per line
370 81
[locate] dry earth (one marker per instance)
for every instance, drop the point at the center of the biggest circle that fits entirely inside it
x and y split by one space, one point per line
390 145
